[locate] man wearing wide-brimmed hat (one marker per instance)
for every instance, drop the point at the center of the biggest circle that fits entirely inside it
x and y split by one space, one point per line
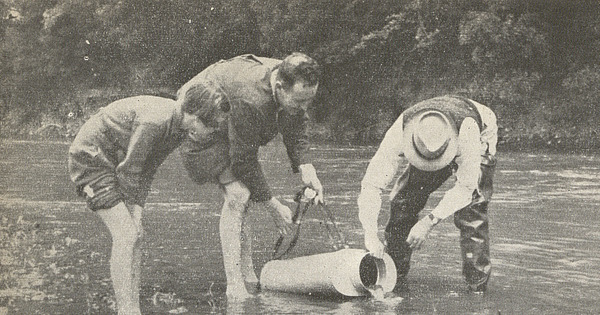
438 137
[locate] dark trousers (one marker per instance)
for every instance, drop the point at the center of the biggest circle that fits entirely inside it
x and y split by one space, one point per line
414 188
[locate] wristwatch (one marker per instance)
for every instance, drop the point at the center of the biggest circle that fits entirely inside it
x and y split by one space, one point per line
434 220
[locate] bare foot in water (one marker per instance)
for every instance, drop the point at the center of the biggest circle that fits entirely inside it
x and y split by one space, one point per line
253 287
237 294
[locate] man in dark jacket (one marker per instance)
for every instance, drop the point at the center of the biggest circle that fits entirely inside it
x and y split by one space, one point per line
255 99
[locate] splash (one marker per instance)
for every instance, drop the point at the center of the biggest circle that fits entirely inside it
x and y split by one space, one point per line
376 292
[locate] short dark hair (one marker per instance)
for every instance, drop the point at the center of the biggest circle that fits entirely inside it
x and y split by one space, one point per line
299 66
204 99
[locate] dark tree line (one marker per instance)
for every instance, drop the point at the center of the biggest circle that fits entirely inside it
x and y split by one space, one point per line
535 62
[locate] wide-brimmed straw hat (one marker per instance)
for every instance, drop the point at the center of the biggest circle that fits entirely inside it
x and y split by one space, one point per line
430 140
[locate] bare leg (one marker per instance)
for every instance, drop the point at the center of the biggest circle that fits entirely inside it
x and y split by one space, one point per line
230 230
137 253
247 265
124 236
136 272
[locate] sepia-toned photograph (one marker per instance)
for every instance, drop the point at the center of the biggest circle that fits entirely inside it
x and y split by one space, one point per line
299 157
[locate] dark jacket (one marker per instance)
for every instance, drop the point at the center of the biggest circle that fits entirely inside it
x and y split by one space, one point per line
255 118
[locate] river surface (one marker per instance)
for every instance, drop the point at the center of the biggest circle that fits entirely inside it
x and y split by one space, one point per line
544 230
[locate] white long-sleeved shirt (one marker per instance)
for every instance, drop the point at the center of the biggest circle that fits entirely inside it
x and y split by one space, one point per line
472 143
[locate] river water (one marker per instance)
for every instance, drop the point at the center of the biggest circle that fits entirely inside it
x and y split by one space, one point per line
544 227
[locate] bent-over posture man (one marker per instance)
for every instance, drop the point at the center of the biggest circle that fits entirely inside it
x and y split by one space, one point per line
439 137
112 161
257 98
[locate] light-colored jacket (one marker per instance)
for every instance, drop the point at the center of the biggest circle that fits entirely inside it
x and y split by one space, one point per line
472 144
136 135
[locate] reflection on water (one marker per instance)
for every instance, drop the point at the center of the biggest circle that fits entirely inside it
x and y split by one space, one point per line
544 233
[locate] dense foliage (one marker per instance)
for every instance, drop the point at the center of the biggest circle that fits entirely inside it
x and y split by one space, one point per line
535 62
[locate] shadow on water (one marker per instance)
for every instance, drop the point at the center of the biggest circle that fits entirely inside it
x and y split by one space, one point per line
544 234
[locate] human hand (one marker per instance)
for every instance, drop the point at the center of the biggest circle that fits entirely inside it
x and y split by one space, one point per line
310 179
374 245
282 215
419 233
